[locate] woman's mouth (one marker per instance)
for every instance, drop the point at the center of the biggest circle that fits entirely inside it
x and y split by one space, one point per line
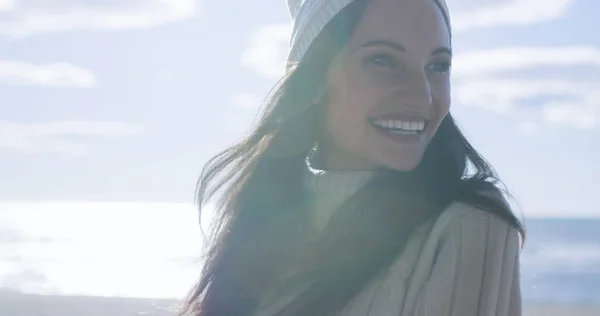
400 127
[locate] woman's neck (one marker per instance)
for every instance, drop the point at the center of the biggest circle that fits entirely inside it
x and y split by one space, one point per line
330 158
328 189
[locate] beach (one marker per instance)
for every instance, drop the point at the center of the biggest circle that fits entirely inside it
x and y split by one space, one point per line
549 309
18 304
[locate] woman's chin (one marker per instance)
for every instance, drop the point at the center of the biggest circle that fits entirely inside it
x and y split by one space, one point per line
405 163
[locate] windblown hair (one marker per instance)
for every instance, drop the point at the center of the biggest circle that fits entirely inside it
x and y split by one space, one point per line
262 204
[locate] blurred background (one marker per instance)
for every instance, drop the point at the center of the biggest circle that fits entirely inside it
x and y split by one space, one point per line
109 109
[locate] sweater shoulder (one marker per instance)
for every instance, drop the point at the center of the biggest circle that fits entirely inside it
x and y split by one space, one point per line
465 219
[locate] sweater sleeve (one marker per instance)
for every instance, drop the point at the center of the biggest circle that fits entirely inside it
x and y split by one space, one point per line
476 270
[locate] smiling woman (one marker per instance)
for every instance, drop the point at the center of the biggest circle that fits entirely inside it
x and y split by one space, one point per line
356 193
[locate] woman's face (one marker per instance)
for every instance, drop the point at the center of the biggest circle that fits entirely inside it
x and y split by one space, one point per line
389 90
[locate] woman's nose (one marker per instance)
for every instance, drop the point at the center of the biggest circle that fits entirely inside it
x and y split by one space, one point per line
414 89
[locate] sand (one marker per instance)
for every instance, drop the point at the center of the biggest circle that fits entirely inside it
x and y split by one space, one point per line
560 310
17 304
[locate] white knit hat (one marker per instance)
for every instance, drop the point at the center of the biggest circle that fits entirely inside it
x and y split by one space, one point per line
310 17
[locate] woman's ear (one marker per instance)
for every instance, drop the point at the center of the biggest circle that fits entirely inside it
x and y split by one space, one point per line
336 83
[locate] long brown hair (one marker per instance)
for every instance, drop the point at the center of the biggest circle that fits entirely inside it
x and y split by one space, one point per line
261 210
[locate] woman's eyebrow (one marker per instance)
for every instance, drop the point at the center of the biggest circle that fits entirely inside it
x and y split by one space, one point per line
442 50
399 47
381 42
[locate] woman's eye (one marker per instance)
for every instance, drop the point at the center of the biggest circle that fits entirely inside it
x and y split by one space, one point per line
383 60
440 66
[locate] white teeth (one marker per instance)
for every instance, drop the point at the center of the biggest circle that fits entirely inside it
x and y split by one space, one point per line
401 126
403 132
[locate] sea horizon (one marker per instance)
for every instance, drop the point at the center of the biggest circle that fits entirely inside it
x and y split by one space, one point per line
160 259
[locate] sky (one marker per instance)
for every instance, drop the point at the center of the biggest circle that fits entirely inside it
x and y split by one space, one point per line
108 111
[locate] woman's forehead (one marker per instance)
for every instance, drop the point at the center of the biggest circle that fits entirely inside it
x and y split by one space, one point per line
411 22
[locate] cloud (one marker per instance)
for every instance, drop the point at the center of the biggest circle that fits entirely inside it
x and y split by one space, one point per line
30 17
6 5
28 280
10 236
94 252
532 78
18 73
504 59
267 52
501 94
509 13
55 136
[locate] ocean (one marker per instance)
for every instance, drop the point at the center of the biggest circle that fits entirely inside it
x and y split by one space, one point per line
560 262
151 250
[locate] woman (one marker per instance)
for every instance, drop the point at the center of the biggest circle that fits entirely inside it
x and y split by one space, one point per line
356 193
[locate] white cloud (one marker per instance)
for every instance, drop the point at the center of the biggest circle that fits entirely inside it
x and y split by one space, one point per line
100 248
495 80
499 94
49 75
510 13
6 5
520 58
246 101
55 136
30 17
267 53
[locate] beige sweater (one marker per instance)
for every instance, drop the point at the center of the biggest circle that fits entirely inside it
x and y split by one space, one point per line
465 262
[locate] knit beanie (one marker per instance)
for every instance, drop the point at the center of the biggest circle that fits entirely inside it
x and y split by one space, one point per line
311 16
